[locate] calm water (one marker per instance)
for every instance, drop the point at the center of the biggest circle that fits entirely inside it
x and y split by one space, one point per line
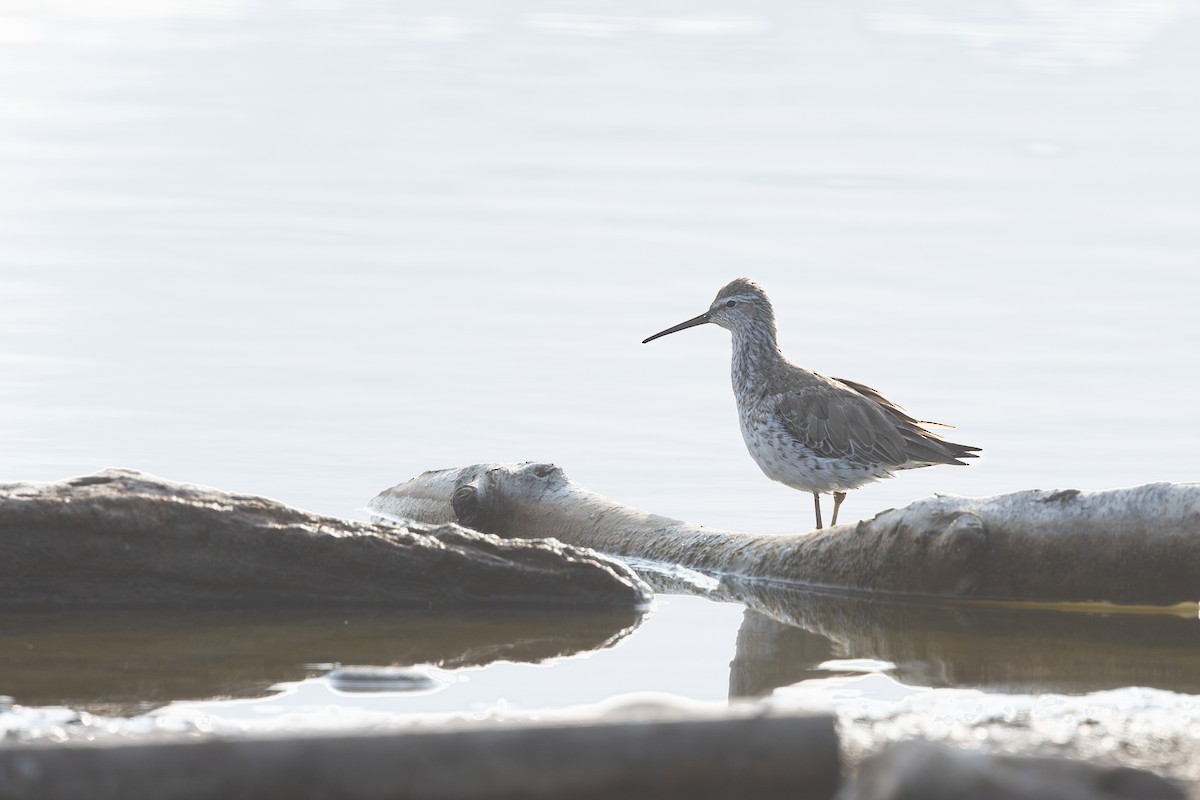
311 249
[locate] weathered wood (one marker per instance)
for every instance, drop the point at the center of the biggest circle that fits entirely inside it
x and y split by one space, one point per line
1139 545
733 755
919 770
122 537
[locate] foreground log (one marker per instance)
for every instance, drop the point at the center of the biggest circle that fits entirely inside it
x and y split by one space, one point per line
122 537
1139 545
733 755
918 770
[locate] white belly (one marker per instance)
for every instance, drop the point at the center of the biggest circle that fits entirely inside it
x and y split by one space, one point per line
787 461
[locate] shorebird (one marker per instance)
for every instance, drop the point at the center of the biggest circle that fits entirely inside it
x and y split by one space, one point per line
808 431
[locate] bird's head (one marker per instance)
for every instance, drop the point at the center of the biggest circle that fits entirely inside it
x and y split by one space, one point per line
741 305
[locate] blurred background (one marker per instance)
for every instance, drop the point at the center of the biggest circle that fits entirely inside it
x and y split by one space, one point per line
310 249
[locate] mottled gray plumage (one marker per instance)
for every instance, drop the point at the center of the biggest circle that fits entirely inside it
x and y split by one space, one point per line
806 430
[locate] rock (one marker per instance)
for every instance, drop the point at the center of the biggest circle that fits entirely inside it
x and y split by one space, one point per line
919 770
124 538
369 679
731 755
1132 546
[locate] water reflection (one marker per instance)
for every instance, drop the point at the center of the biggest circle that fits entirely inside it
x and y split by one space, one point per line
132 661
787 634
771 654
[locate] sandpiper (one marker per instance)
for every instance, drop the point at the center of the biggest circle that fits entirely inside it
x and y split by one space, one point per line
808 431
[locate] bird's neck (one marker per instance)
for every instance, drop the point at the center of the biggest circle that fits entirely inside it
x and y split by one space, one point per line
755 356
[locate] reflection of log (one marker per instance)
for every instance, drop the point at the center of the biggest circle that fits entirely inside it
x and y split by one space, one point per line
735 755
120 537
963 646
119 663
771 654
1138 545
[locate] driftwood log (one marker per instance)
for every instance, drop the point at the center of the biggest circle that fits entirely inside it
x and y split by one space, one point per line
122 537
1139 545
919 770
667 756
654 753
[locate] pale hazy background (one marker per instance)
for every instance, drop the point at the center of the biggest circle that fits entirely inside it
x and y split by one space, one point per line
310 249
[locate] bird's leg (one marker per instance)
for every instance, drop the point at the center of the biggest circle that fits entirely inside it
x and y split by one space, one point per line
817 506
838 497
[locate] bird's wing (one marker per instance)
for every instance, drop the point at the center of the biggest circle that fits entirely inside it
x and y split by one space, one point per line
835 421
891 408
922 446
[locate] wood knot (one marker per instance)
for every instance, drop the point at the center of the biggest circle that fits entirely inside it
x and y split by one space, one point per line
465 502
541 470
1062 496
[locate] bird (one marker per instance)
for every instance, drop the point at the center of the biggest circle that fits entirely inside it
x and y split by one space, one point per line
808 431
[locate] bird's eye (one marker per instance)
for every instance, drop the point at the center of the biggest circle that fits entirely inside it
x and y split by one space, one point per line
730 304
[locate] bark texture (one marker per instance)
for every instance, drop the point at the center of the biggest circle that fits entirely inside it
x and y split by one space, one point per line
734 755
1139 545
124 538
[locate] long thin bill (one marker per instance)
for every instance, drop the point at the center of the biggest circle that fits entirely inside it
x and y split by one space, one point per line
691 323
